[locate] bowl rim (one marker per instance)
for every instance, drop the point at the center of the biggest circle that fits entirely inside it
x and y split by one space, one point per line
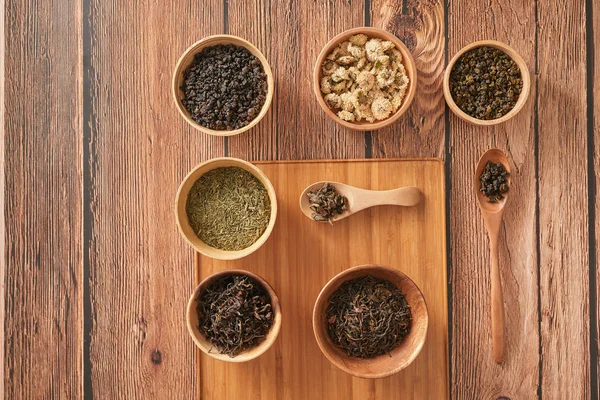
227 255
408 61
256 351
523 97
340 278
223 39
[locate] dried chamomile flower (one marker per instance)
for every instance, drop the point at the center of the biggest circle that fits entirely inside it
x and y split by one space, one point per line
346 60
381 108
365 80
347 104
373 48
385 78
361 63
328 67
401 81
382 61
357 52
326 86
346 116
340 74
387 45
365 113
395 55
359 40
333 100
360 98
340 86
397 98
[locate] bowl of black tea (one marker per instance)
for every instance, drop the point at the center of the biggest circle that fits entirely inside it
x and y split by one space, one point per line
226 208
234 316
486 83
222 85
370 321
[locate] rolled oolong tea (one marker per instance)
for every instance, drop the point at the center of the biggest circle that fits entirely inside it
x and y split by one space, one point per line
326 202
368 317
225 87
234 314
486 83
228 208
494 181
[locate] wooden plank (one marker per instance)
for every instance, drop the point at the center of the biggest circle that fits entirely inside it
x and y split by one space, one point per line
594 57
291 35
564 257
140 270
420 25
301 256
474 372
41 226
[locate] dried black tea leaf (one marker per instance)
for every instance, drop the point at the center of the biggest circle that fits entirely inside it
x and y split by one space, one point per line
235 314
368 317
494 181
326 202
486 83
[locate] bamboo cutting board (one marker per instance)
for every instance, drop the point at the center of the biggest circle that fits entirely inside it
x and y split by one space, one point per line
301 256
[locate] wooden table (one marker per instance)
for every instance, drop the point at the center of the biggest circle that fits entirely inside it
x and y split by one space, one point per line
95 276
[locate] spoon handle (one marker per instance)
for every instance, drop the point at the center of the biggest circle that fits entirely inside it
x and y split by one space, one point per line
497 302
404 196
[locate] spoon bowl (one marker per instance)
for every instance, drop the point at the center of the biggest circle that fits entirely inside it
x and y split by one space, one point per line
492 218
496 156
359 199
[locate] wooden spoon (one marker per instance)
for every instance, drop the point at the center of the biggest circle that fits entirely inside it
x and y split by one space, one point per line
359 199
492 218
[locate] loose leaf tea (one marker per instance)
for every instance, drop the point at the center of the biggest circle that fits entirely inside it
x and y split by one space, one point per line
494 181
234 314
326 202
368 317
228 208
225 87
485 83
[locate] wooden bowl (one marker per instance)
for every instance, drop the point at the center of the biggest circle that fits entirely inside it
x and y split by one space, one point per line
409 65
520 101
383 365
205 345
186 60
182 219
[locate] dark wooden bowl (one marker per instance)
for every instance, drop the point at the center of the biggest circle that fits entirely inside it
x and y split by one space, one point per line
383 365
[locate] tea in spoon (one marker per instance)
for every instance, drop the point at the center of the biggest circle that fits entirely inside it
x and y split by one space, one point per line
492 210
359 199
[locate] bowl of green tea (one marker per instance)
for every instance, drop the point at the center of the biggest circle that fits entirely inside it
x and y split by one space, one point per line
234 316
226 208
486 83
370 321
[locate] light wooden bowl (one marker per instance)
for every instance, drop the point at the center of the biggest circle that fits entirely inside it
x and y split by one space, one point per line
187 59
520 101
182 219
407 60
383 365
205 345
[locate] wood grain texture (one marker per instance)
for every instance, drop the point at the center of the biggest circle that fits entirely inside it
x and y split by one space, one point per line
40 227
475 375
301 256
563 202
140 270
594 58
291 34
420 25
